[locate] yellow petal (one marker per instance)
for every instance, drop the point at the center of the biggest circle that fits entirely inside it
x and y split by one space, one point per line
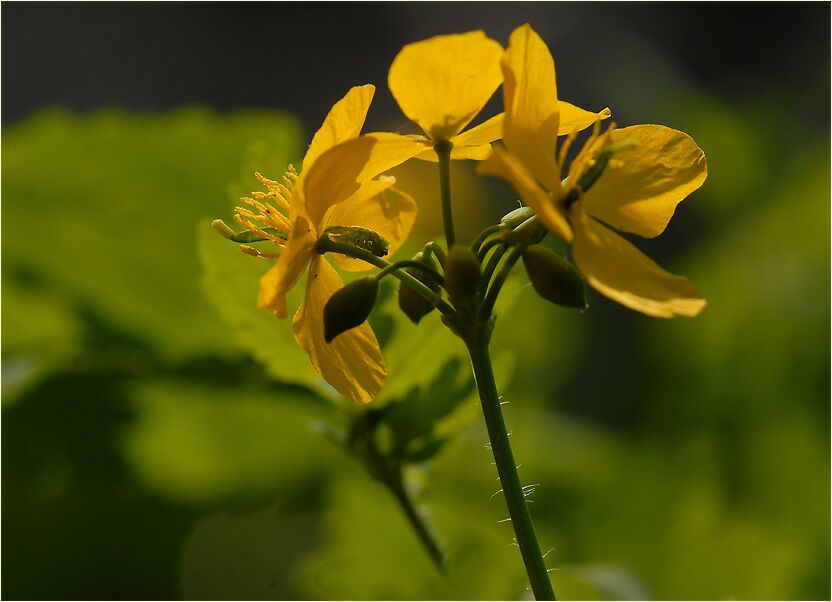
574 119
639 192
352 362
443 82
334 177
477 153
344 121
474 143
389 212
391 150
530 129
290 265
549 212
479 135
616 269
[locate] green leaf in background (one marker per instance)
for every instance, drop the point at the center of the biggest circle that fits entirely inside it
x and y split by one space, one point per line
209 445
230 280
40 332
102 208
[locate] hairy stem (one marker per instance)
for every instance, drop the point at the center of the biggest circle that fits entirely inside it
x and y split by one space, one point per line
507 469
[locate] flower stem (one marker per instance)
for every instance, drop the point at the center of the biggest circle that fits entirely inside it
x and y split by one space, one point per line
507 469
443 151
490 230
499 280
418 522
327 245
412 263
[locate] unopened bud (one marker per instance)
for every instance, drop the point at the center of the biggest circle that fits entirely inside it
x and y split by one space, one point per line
530 232
412 303
349 306
462 274
517 217
362 238
554 278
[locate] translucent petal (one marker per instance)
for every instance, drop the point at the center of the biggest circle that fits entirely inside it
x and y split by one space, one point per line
548 210
334 176
639 193
385 210
290 265
616 269
530 96
344 121
352 362
574 119
477 153
474 143
485 133
443 82
391 150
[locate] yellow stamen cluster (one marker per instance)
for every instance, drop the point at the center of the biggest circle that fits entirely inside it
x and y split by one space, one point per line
269 212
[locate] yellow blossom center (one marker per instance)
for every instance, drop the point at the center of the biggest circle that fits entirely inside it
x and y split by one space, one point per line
267 214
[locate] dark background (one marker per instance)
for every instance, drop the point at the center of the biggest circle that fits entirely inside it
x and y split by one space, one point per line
298 57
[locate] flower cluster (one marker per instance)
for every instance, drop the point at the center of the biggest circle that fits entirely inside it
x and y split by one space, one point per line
627 179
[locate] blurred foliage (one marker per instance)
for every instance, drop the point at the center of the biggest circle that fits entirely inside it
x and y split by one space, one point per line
164 438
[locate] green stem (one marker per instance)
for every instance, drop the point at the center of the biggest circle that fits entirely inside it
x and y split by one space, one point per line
507 469
443 151
489 268
434 248
496 228
499 280
484 249
418 522
412 263
327 245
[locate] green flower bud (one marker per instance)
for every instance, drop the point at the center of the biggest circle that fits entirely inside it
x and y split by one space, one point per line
350 306
517 217
554 278
530 232
359 237
412 303
462 274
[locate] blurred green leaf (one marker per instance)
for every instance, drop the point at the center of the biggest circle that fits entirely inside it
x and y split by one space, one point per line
596 582
102 207
207 445
40 332
231 280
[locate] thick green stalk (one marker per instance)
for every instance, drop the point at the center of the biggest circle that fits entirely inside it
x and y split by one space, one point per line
506 468
443 151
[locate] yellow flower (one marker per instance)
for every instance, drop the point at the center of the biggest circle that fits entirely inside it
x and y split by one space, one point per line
334 189
442 83
654 168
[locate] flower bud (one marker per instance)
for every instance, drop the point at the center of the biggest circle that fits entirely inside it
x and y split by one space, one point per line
554 278
349 306
462 274
412 303
517 217
357 236
530 232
